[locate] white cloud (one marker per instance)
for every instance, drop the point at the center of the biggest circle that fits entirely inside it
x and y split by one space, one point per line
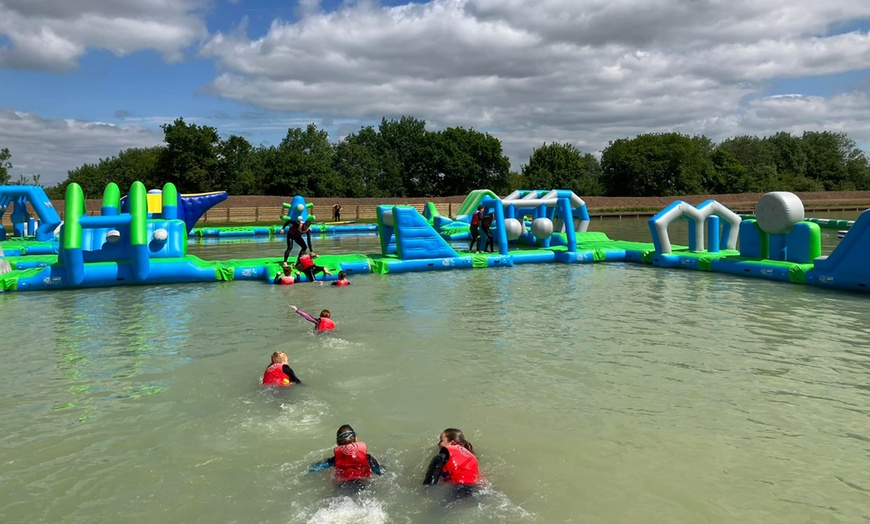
555 70
53 35
51 147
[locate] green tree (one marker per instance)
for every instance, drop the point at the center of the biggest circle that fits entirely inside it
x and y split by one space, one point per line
467 160
665 164
562 166
412 146
236 165
366 167
5 166
828 156
757 157
301 164
190 158
129 166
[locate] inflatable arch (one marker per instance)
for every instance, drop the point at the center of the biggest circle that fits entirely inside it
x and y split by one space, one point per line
708 212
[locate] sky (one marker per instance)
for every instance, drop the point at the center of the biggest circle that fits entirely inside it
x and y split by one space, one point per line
82 80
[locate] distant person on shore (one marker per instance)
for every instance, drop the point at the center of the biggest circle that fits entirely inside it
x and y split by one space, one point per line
336 212
324 323
352 462
293 235
342 279
279 373
485 224
285 276
305 264
454 464
476 219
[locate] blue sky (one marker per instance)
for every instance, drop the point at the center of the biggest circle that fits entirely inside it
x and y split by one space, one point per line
84 79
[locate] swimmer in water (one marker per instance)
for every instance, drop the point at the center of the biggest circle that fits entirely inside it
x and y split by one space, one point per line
279 373
324 323
352 462
454 464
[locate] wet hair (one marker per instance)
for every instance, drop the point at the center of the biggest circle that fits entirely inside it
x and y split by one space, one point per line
480 206
278 357
342 274
455 435
288 271
345 435
327 314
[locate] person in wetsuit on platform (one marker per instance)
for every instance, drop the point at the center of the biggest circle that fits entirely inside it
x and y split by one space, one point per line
293 235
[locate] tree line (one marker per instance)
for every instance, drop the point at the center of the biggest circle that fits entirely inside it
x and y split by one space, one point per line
400 158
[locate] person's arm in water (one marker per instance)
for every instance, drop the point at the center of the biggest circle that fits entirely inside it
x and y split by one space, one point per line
376 468
306 316
323 464
435 467
289 372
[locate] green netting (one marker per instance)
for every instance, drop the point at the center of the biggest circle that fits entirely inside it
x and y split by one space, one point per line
379 266
222 272
598 254
798 273
479 260
9 281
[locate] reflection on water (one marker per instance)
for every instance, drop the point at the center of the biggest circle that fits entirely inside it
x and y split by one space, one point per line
595 393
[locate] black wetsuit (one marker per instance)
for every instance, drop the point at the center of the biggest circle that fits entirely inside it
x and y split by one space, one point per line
484 226
293 235
289 372
433 474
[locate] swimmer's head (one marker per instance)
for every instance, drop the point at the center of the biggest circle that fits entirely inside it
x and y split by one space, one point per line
480 207
288 271
279 357
454 436
345 435
325 314
342 275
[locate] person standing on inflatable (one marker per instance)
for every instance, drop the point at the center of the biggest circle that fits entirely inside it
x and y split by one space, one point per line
342 279
455 463
352 462
336 212
305 229
279 373
476 219
324 323
293 235
485 223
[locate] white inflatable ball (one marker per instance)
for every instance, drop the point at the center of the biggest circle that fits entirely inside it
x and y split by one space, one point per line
300 207
387 217
161 235
778 212
514 228
113 236
542 228
299 219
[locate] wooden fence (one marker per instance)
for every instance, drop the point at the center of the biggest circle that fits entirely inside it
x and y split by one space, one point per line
272 214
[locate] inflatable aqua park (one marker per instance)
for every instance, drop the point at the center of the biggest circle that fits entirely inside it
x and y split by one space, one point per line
142 237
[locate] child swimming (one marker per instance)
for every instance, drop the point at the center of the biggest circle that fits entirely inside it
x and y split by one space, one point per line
455 463
279 373
350 458
342 279
324 323
285 277
306 265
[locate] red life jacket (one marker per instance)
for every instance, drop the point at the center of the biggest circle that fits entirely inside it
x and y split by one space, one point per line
305 261
294 229
286 281
274 376
475 218
342 282
325 324
461 467
351 462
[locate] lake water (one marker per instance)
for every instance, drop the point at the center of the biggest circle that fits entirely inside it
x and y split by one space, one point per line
592 393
